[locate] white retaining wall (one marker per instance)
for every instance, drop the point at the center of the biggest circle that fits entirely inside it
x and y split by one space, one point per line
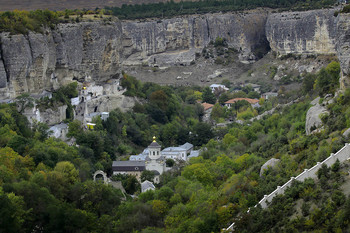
342 155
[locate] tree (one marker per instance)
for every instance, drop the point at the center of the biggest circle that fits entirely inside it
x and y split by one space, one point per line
68 170
308 83
169 162
41 130
226 82
208 96
217 112
24 101
74 129
201 134
147 175
12 212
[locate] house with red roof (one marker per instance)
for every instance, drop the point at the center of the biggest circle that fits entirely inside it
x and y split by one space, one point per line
253 102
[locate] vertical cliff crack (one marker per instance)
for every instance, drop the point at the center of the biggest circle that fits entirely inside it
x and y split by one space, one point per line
3 62
30 47
193 44
208 29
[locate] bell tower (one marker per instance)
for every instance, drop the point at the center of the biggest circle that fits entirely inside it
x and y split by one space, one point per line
154 149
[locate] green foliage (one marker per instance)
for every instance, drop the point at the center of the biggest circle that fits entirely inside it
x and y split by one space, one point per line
48 183
170 9
130 183
219 41
328 79
24 101
273 71
23 21
208 96
147 175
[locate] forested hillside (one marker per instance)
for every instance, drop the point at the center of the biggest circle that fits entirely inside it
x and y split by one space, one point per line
47 185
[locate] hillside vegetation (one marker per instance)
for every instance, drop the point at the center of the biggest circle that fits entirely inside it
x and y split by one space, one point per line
171 9
21 21
46 185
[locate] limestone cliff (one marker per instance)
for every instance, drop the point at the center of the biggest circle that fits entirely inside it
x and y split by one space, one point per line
34 62
309 32
343 48
97 51
175 41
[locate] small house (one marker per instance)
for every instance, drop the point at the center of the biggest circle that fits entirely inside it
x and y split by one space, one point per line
268 95
218 87
147 185
90 126
253 102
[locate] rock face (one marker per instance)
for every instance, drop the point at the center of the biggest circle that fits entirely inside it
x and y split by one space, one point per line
343 48
49 116
313 120
98 51
175 41
269 164
35 62
309 32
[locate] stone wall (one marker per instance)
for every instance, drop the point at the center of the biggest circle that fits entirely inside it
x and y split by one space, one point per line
342 155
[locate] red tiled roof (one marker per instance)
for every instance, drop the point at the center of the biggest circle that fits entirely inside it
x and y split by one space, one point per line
207 106
251 101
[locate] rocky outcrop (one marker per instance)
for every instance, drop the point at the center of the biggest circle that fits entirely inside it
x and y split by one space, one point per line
269 164
309 32
49 116
175 41
35 62
98 50
313 116
53 116
346 133
343 48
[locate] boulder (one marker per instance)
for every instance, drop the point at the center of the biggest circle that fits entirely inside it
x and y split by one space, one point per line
313 120
269 164
346 133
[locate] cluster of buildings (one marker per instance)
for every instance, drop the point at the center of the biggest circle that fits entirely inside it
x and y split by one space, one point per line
230 103
153 159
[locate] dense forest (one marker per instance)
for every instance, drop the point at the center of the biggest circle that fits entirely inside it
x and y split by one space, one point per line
47 185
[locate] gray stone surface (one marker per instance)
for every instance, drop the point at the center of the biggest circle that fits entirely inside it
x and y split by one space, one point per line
99 50
343 48
269 164
3 76
313 120
346 133
36 62
308 32
53 116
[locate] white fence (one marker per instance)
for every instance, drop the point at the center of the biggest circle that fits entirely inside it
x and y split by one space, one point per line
342 155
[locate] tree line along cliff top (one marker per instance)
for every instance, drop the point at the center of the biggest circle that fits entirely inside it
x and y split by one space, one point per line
22 21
